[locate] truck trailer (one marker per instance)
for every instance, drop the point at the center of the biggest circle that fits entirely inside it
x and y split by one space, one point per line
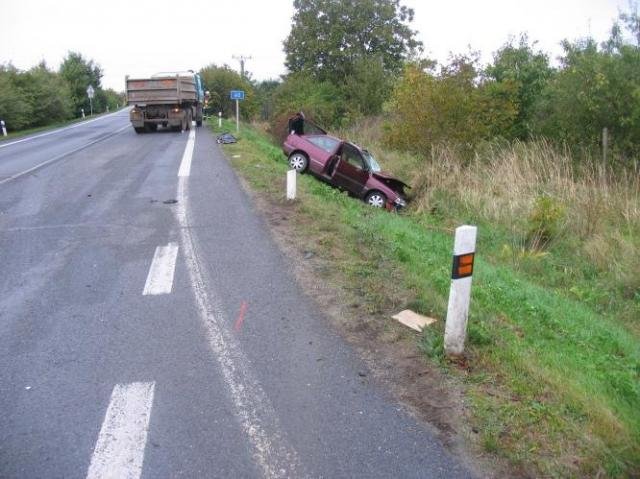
168 99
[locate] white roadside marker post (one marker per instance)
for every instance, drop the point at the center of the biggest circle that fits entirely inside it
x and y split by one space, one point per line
82 111
4 128
237 115
464 250
291 184
219 120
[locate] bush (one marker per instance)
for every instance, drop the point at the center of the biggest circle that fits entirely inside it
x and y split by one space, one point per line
320 101
15 108
544 222
429 108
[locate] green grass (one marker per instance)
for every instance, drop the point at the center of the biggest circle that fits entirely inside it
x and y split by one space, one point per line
553 380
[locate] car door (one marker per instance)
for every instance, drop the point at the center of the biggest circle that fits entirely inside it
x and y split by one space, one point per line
351 173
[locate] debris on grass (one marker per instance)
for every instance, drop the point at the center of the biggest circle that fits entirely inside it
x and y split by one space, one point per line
226 138
414 320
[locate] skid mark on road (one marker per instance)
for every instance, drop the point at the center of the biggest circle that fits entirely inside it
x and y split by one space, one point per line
162 270
240 320
252 407
119 451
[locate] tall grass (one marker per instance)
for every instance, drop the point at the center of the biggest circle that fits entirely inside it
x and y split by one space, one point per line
578 220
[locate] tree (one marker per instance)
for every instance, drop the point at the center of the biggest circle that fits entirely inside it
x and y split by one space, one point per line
452 106
597 86
15 108
48 95
368 86
79 74
111 98
329 37
219 81
265 91
523 72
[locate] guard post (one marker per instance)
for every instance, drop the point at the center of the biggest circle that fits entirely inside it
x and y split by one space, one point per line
90 93
464 250
291 184
4 128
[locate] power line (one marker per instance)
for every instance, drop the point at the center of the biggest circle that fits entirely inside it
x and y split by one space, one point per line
242 59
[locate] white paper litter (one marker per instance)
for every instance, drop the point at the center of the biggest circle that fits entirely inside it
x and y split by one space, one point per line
413 320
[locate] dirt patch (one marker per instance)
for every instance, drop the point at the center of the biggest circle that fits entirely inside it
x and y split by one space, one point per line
390 350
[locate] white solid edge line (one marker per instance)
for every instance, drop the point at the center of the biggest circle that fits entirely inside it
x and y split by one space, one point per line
82 123
161 272
251 405
187 156
59 157
119 451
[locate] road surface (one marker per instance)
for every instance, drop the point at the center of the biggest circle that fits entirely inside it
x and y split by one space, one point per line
150 327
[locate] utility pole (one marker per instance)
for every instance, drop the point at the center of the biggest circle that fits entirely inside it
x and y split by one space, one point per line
242 59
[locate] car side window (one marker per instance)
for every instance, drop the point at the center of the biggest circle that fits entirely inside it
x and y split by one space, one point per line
351 156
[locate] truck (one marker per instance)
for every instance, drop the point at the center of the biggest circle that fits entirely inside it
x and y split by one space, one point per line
168 99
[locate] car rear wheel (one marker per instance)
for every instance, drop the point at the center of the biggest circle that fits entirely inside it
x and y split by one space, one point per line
298 161
376 199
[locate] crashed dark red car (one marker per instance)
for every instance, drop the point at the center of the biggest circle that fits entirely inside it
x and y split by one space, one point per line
340 163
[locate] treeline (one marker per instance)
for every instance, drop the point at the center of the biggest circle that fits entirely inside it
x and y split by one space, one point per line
42 96
349 60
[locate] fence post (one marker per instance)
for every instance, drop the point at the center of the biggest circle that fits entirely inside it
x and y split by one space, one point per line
291 184
4 128
464 249
605 145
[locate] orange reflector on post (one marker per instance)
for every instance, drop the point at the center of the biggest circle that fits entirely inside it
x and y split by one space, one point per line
462 266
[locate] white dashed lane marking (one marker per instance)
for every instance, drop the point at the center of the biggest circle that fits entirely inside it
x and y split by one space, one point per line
160 277
119 451
187 156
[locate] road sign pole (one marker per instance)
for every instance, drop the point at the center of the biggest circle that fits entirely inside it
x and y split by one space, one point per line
464 249
90 107
237 116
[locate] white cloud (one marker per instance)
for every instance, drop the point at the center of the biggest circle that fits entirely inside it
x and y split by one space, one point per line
144 37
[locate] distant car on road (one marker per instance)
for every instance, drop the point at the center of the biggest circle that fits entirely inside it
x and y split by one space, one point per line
342 164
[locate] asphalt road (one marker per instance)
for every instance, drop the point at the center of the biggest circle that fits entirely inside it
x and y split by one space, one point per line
149 326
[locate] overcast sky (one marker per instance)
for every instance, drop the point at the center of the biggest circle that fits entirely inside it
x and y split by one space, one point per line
142 37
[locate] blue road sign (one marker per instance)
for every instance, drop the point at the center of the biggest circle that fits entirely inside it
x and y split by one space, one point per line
237 95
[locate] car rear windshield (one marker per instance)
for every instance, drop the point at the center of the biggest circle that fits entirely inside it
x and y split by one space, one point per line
327 143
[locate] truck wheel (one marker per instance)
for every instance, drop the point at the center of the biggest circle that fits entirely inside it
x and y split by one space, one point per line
188 120
199 122
139 129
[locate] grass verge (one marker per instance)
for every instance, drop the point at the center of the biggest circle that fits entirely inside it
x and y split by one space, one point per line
553 382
